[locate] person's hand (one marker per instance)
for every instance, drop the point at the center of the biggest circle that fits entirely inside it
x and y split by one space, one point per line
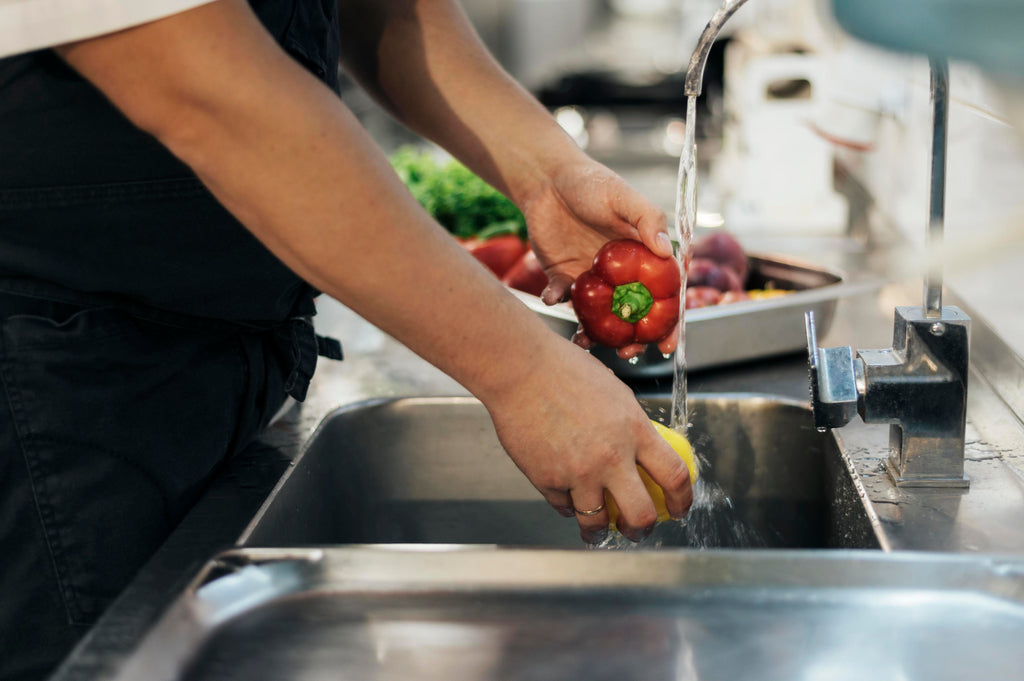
581 207
575 431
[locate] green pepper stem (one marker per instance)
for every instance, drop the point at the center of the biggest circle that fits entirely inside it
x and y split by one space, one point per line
631 302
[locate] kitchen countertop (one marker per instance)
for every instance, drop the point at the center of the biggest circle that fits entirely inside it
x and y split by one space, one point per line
985 519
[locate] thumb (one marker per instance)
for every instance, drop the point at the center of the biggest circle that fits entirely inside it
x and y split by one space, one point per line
649 221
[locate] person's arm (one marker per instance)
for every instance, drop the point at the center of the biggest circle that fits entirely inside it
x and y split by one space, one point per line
283 154
424 63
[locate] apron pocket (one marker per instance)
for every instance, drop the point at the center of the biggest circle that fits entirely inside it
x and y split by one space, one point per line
122 423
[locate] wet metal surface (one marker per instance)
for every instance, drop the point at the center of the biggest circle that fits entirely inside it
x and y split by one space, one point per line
475 614
431 470
987 519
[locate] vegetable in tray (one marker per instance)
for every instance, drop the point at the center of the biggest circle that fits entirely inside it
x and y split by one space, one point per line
463 203
489 226
718 273
492 228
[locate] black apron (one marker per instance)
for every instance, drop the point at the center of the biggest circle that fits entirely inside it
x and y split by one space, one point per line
145 337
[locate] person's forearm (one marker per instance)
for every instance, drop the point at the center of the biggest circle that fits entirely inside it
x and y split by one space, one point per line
425 63
282 153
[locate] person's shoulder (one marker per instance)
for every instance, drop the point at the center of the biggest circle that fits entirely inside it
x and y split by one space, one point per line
27 25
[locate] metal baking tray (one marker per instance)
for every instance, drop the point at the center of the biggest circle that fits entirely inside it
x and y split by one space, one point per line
736 332
475 614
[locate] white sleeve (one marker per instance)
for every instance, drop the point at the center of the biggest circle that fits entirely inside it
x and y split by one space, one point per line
27 25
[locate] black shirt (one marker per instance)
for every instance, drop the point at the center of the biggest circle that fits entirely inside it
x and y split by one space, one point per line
91 203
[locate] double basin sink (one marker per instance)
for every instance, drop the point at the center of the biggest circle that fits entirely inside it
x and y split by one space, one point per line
403 543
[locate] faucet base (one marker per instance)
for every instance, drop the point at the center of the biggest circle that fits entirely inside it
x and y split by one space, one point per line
892 469
920 388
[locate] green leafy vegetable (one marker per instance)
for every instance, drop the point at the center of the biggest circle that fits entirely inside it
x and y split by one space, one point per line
454 196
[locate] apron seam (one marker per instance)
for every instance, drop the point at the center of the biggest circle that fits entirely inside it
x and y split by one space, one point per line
140 310
113 333
53 543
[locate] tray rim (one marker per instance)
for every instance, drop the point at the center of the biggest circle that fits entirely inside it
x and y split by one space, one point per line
840 284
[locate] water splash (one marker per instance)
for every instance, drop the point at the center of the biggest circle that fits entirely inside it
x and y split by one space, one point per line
712 522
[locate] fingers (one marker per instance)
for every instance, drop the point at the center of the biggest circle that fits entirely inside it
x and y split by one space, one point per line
560 501
591 514
581 339
650 221
670 473
588 509
557 289
662 244
637 513
630 351
668 344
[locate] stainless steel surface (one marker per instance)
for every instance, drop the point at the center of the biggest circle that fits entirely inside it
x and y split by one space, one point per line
737 332
919 386
986 518
937 187
431 470
873 640
473 614
695 71
835 376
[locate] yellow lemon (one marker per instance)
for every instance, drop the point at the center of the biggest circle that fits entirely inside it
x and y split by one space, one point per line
685 452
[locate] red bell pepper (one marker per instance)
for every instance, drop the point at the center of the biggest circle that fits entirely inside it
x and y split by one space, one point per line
628 296
498 253
526 275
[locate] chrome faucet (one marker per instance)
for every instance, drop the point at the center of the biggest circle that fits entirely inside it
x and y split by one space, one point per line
699 58
919 385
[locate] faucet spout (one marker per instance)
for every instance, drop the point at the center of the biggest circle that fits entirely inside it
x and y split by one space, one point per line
699 59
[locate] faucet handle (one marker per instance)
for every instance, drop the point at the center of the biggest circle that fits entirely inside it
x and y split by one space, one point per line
834 375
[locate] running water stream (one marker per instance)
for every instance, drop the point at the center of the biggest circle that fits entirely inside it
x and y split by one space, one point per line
712 520
685 222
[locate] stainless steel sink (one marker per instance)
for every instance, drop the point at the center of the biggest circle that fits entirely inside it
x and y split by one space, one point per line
501 614
431 470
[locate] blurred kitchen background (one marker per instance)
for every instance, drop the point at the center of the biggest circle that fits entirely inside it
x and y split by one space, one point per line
799 127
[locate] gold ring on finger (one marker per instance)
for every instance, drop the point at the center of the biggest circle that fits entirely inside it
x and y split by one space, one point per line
592 512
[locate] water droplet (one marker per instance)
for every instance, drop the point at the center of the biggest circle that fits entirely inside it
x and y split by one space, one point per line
938 328
634 360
